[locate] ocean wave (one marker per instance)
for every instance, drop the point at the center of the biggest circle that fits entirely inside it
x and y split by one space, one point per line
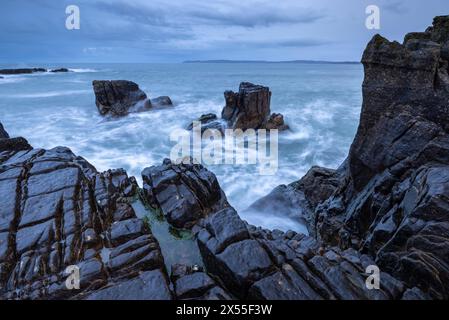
82 70
47 94
11 79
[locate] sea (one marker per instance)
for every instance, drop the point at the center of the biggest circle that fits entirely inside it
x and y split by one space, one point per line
320 102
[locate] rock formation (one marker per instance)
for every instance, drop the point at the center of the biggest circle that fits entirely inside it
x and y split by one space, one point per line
247 109
22 71
185 193
121 97
60 70
390 199
31 70
162 101
250 109
117 97
209 121
3 133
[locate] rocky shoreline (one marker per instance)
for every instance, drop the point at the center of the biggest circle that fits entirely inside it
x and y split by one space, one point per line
386 206
31 70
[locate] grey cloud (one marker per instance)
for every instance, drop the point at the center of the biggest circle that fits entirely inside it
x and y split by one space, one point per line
395 7
253 17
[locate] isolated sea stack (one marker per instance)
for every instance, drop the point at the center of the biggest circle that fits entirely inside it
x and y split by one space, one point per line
247 109
118 98
250 109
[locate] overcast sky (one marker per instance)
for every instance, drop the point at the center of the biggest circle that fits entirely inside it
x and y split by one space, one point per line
178 30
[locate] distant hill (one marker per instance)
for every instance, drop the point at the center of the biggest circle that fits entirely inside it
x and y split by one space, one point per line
265 61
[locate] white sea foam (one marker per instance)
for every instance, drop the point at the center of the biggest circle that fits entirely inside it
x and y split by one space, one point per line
82 70
48 94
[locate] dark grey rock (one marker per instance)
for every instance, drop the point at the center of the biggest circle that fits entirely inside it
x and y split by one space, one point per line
118 97
162 101
193 285
209 121
60 70
149 285
3 133
22 71
185 193
249 108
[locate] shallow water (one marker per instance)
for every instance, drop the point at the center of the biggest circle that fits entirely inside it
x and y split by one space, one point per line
177 246
321 104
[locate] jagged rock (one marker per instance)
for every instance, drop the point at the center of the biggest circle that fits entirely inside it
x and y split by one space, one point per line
209 121
299 199
199 286
3 133
149 285
249 108
387 206
392 202
59 211
22 71
185 193
276 122
162 101
118 97
14 144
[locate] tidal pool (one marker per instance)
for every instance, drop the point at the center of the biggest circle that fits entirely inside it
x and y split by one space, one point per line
177 246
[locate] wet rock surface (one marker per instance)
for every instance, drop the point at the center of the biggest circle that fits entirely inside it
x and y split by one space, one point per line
390 199
3 133
22 71
162 101
184 193
60 70
58 211
209 121
118 97
249 108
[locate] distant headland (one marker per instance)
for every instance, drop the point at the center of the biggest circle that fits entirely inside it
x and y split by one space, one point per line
267 61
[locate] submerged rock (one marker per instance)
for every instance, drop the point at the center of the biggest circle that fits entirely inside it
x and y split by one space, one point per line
163 101
276 121
209 121
60 70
